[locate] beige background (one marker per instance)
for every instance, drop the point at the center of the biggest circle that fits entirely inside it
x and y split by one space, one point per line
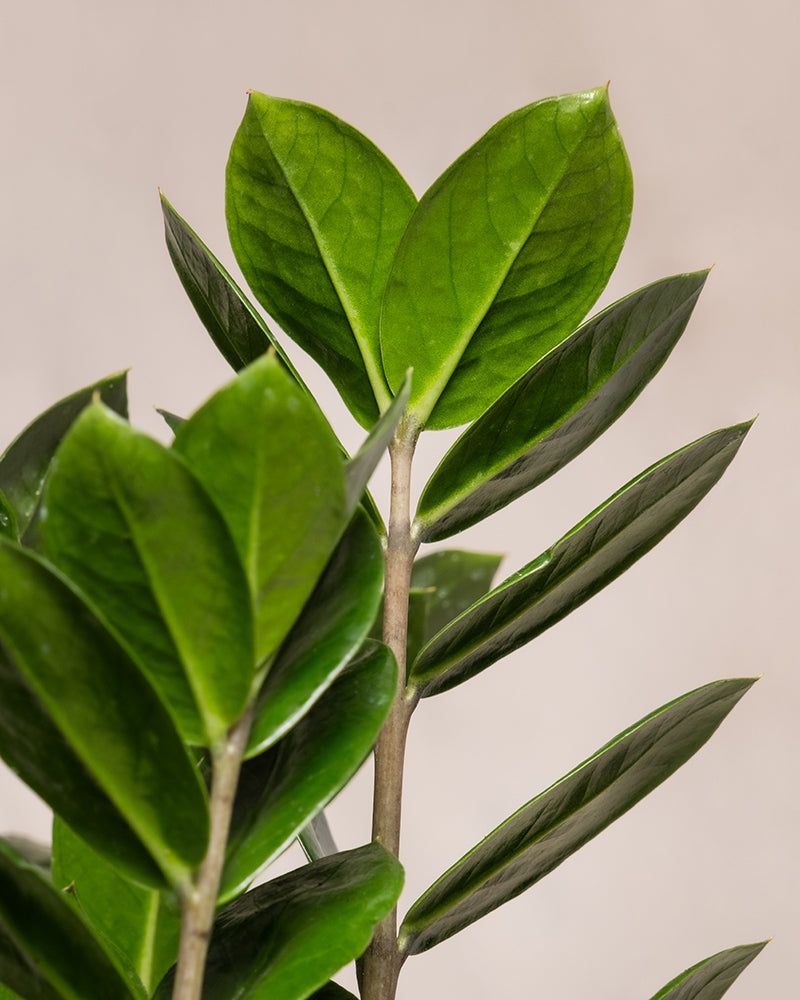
100 103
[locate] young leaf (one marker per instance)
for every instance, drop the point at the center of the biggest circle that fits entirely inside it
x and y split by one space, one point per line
559 821
281 790
285 939
332 626
24 465
315 213
591 555
129 523
272 465
505 254
240 334
558 408
86 685
49 951
710 979
144 924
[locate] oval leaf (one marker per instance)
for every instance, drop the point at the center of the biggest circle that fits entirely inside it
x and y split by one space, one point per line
710 979
96 696
128 522
273 466
558 408
287 938
506 253
591 555
315 212
281 790
559 821
49 951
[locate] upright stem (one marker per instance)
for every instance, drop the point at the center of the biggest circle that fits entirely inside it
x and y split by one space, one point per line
199 901
381 963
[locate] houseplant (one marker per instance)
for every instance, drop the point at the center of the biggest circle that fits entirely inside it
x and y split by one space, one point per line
201 643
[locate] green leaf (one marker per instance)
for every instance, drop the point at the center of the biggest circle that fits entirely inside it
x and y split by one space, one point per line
457 578
129 523
332 626
332 991
316 839
240 334
281 790
315 213
506 253
144 924
81 686
591 555
710 979
558 408
273 466
285 939
49 952
24 465
559 821
8 521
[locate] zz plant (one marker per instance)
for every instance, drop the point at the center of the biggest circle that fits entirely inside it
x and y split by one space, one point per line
200 644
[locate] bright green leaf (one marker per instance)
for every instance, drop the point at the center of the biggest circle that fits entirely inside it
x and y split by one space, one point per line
710 979
144 924
129 523
273 466
332 626
283 788
315 213
24 465
506 253
49 951
64 667
588 557
558 408
285 939
559 821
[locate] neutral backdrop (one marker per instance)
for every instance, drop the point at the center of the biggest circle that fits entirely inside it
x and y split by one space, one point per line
100 103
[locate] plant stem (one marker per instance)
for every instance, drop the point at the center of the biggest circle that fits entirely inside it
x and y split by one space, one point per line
198 903
382 960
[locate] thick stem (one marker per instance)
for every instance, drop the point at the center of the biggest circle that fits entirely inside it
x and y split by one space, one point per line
381 964
199 901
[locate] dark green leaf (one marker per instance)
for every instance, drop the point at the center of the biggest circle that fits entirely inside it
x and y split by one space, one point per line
129 523
558 408
559 821
49 952
287 938
238 331
710 979
83 689
316 839
332 991
273 466
458 579
172 420
283 788
506 253
334 622
315 213
8 522
24 465
144 924
36 854
591 555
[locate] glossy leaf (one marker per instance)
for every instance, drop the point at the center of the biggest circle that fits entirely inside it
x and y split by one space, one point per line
144 924
238 331
332 991
316 839
8 521
457 579
24 465
315 213
331 628
285 939
129 523
711 978
558 408
559 821
281 790
587 558
82 688
506 253
49 952
272 465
